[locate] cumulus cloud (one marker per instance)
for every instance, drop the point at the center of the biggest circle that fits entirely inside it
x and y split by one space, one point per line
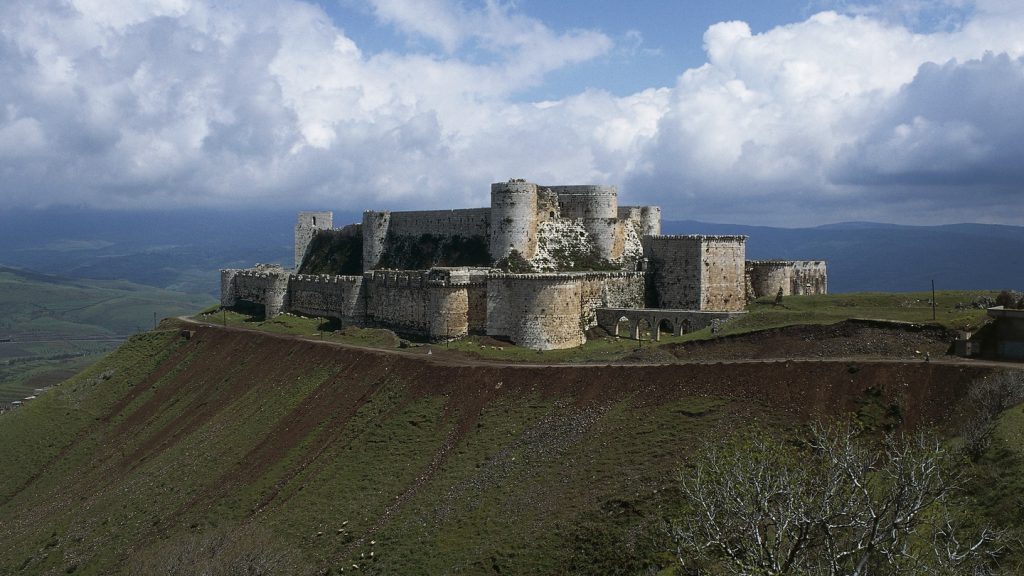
811 120
180 102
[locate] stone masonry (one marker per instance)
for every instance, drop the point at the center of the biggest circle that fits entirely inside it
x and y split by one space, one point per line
794 277
594 263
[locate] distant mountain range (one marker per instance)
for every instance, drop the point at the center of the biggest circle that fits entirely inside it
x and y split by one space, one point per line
183 249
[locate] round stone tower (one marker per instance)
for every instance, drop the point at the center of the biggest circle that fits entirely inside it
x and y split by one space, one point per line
513 219
650 221
768 276
598 207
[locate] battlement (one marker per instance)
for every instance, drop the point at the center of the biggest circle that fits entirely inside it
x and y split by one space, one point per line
769 262
326 278
565 276
702 237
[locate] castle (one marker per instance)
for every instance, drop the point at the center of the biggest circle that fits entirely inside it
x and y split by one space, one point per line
539 267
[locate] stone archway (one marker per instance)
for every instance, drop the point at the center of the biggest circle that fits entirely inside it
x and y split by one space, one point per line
664 327
685 327
643 329
623 328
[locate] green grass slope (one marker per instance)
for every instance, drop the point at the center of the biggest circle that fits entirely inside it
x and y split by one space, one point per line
174 454
56 325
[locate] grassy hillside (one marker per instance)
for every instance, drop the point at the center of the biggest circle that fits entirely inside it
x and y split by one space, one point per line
235 446
57 325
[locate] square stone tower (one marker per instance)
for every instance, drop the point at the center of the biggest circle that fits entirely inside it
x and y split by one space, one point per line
306 227
698 272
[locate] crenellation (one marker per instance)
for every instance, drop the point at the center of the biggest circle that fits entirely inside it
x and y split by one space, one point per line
579 255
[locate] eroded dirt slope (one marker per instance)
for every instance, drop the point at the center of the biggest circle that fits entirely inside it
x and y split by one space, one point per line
433 467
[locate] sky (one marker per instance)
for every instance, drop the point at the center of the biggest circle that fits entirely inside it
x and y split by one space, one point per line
782 113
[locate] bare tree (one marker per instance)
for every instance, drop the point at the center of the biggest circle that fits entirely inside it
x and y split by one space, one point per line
835 505
989 397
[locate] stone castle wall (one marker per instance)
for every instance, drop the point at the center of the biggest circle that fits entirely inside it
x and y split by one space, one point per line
552 311
766 277
794 277
557 229
261 285
534 310
676 262
467 222
698 272
399 300
810 277
437 303
598 208
587 201
382 228
340 297
375 236
616 290
518 209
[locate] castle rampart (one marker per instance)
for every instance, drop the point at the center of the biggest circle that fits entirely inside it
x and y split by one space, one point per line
466 222
428 273
536 311
266 285
550 311
793 277
340 297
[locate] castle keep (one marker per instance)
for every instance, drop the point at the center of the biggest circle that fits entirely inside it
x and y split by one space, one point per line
539 267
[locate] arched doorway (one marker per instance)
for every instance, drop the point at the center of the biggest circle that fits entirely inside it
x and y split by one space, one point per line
622 328
644 330
664 327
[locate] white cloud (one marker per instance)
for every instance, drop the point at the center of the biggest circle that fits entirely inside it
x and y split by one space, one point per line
185 101
792 118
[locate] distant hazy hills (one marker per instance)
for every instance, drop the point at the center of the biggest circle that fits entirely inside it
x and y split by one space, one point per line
182 250
179 250
51 327
34 306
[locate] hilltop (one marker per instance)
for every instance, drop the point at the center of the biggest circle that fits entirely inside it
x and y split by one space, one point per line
197 442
